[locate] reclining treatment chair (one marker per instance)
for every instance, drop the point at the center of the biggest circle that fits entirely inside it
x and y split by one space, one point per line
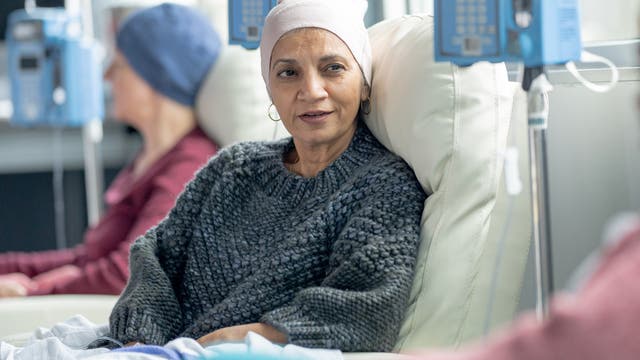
452 126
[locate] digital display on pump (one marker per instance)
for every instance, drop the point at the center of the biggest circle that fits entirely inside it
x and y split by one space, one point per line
28 63
28 30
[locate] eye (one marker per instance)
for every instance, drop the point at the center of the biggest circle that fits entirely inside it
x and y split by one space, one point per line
335 67
286 73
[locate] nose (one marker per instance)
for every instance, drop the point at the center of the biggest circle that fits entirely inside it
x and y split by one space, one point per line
312 87
108 73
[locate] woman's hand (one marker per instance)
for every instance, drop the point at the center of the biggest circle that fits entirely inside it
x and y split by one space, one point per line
15 285
237 333
66 271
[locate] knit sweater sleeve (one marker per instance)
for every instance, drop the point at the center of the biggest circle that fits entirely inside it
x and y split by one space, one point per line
361 302
148 310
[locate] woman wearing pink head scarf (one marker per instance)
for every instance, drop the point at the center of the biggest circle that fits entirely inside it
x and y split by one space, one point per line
309 240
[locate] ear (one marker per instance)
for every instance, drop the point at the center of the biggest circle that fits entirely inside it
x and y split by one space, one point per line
366 91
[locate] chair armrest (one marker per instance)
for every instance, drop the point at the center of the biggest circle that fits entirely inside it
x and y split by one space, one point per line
21 315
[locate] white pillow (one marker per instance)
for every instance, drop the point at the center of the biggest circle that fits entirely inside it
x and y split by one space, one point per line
233 101
449 124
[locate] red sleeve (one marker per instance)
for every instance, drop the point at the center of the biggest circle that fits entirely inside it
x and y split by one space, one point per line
598 323
108 274
32 264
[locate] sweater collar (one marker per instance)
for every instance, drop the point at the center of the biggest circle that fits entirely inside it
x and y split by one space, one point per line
282 182
124 184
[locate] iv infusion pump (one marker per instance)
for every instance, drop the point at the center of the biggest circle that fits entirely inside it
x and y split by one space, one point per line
246 19
534 32
55 72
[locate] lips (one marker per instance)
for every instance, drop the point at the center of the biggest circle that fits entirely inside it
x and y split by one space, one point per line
315 116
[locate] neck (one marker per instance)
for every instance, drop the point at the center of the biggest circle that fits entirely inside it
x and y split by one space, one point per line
308 160
171 122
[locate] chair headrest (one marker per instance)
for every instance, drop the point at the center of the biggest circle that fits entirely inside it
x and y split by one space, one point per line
450 124
232 104
416 101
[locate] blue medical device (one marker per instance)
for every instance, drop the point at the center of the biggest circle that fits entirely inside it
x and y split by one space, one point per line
55 72
534 32
246 19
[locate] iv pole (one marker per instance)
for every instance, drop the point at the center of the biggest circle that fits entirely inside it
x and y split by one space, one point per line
537 86
91 130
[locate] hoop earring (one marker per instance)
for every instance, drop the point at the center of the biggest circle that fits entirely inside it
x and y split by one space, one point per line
365 106
272 112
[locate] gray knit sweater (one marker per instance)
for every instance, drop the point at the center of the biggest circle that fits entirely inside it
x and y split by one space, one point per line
327 260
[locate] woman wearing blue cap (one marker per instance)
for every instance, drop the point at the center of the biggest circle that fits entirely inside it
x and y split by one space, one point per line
163 54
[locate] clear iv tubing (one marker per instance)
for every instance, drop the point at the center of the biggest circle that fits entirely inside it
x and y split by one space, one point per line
58 189
58 170
496 270
91 130
513 186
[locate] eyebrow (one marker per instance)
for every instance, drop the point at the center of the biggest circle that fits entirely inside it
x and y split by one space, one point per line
286 61
332 57
325 58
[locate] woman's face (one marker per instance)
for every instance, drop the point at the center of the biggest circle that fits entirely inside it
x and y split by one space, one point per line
133 98
316 86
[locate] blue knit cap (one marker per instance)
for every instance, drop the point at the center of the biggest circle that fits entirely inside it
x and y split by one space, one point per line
172 47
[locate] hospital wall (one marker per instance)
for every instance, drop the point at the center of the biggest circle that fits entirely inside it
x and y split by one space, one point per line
610 20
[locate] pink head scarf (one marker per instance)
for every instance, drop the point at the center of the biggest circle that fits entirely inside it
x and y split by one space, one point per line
344 18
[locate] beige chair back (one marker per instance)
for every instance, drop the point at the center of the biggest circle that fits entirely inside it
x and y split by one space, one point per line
452 126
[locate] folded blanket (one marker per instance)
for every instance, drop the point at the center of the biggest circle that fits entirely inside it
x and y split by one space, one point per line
66 340
69 340
254 347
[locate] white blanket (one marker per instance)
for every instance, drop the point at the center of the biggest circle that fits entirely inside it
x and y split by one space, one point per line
69 339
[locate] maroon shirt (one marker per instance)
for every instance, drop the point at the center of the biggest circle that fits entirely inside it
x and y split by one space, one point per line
599 322
100 264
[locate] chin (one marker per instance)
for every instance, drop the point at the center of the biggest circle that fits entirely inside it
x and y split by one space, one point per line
315 138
